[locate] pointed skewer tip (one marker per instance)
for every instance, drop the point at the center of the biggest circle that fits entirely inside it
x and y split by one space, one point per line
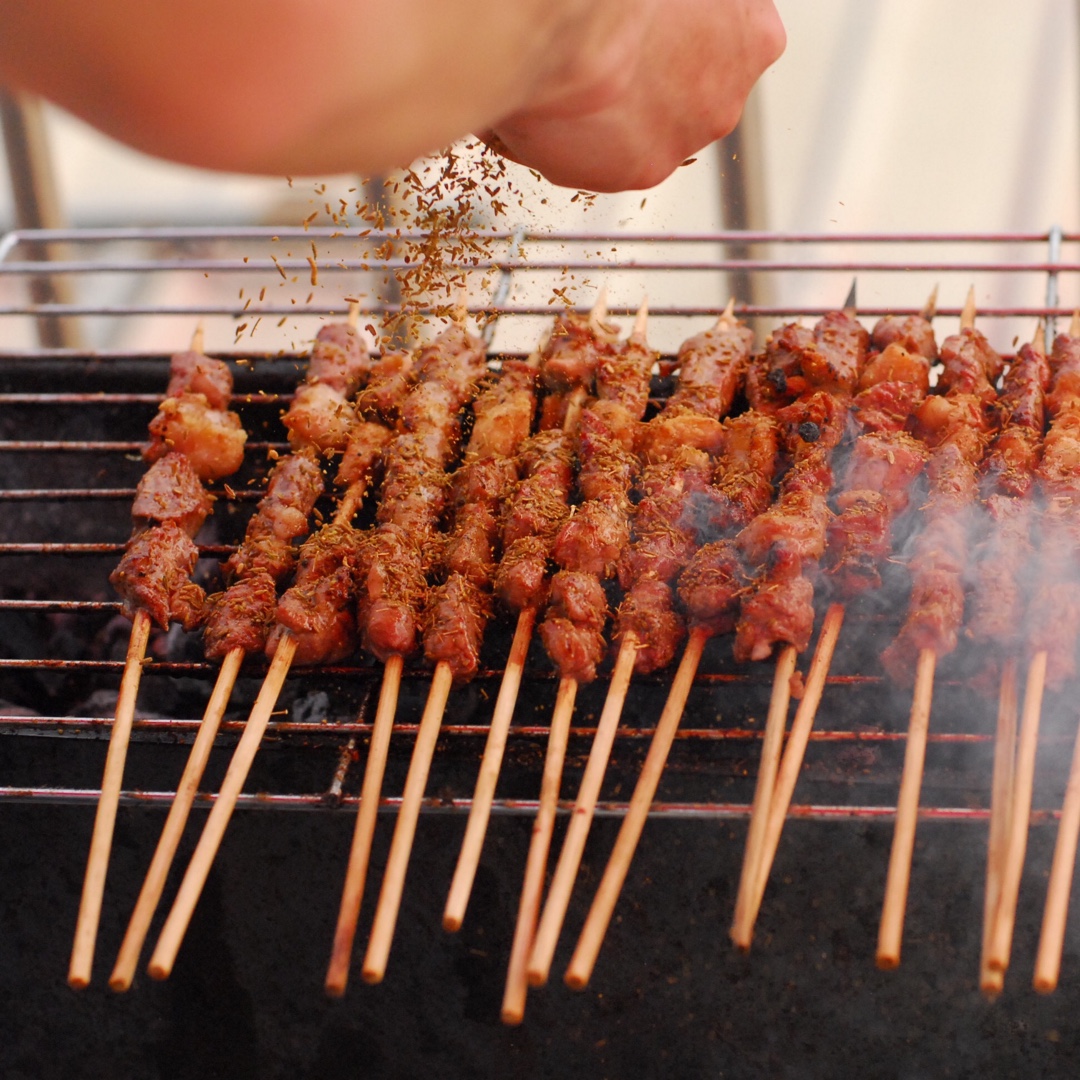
930 307
849 303
598 315
727 320
1038 339
967 316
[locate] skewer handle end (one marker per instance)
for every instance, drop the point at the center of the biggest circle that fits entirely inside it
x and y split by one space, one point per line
741 941
887 961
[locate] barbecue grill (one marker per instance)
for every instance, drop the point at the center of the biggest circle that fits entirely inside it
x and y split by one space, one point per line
71 425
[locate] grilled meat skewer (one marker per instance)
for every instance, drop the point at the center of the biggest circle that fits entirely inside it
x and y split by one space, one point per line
153 577
955 426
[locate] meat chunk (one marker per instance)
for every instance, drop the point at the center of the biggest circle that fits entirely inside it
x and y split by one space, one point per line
648 611
711 586
154 575
193 373
457 613
321 416
242 617
779 608
171 490
211 439
339 359
712 367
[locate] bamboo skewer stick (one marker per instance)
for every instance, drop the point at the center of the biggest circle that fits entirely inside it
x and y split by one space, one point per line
891 929
607 894
517 983
788 774
337 975
763 793
139 925
562 883
1055 913
1005 916
990 980
97 864
172 934
386 912
490 765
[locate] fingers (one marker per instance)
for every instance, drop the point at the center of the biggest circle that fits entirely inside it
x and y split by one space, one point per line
684 87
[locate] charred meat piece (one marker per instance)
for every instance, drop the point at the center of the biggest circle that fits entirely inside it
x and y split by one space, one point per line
457 612
779 607
363 454
622 377
293 487
572 630
711 585
539 504
317 608
154 575
241 617
742 481
388 383
503 414
478 490
170 490
1002 565
674 508
648 612
797 360
320 416
798 520
1065 369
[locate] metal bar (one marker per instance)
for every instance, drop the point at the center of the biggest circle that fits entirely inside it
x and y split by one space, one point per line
516 807
530 266
330 232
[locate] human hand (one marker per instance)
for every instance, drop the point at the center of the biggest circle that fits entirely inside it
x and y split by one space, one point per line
671 79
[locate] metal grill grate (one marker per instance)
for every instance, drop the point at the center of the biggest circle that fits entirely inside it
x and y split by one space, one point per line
72 422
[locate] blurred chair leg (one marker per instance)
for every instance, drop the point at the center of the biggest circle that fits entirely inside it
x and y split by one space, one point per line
37 207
